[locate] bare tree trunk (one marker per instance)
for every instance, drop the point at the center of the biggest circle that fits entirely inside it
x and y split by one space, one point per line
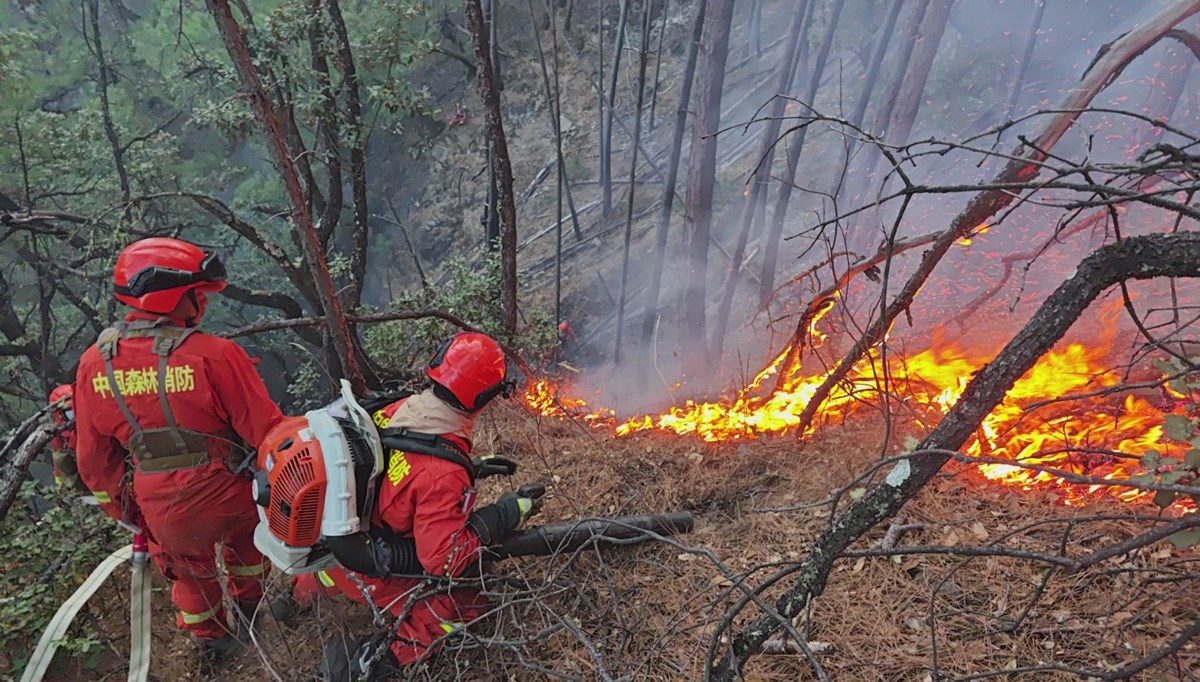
637 138
1024 167
110 130
758 178
357 134
755 31
235 43
609 109
697 215
1031 35
908 101
658 51
503 166
668 201
1135 258
864 97
771 248
870 157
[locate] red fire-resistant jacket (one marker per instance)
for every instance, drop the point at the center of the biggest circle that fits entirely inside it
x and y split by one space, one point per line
213 387
428 499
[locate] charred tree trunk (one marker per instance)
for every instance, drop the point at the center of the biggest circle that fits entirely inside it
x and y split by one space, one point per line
637 138
864 98
697 215
1146 257
668 201
1023 168
264 112
758 179
771 248
503 167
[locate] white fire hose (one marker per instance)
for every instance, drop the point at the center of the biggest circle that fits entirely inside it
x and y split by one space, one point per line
139 613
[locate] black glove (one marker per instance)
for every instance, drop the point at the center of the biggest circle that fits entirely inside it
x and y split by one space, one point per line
494 465
498 521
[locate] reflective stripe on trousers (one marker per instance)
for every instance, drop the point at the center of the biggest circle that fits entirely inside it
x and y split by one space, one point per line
246 571
193 618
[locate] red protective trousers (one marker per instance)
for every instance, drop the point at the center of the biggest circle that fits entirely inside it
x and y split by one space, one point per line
429 619
213 388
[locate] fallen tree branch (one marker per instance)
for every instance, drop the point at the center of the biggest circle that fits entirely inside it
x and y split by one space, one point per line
1145 257
303 322
15 470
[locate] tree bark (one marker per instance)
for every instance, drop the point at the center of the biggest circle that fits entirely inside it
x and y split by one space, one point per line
668 200
758 178
357 136
609 109
235 43
637 138
16 469
503 167
771 248
1031 35
864 98
701 178
1145 257
1021 169
870 156
110 130
908 101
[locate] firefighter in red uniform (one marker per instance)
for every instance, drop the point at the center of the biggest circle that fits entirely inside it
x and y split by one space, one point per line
159 408
66 474
423 522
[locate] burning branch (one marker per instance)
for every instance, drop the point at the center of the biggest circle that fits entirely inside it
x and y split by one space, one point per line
1024 167
1145 257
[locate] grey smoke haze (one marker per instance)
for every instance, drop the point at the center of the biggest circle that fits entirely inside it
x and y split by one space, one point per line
966 94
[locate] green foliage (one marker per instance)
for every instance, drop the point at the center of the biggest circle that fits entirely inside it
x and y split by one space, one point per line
468 292
45 561
1180 430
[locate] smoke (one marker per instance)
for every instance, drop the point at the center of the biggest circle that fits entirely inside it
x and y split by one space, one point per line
976 67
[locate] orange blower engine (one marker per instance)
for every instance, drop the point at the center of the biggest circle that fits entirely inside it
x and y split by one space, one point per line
316 481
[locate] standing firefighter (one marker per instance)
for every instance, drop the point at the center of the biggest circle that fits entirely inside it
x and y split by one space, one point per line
159 406
422 521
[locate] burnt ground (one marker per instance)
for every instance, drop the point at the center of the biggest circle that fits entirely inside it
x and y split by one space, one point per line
649 612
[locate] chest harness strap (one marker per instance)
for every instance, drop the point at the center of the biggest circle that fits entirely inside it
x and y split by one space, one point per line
155 450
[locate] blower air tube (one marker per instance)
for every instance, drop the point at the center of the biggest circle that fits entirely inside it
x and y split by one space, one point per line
379 554
568 537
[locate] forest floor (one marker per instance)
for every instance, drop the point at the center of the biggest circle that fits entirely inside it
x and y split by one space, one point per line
649 612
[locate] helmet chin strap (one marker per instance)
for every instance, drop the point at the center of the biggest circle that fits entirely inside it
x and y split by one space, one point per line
194 319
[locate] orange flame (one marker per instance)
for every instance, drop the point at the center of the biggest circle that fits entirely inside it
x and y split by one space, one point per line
1101 436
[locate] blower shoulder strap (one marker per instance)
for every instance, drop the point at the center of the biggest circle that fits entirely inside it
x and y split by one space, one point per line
434 445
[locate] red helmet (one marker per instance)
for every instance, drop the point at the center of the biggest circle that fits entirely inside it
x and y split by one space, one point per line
154 274
65 391
469 370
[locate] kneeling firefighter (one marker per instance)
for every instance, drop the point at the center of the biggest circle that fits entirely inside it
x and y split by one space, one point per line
158 408
387 490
